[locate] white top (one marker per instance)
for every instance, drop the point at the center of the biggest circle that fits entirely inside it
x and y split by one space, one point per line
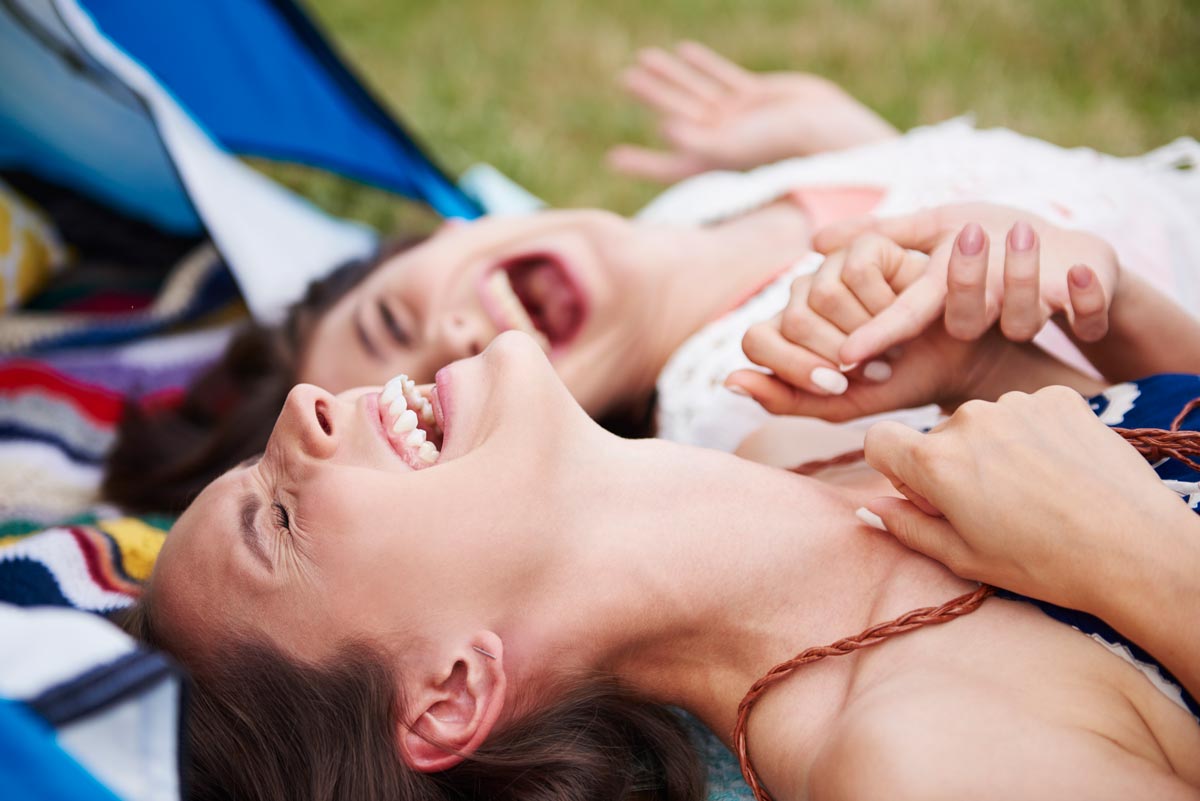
1147 208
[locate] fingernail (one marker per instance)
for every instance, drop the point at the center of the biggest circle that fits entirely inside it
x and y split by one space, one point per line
877 371
870 518
737 390
1020 237
970 241
845 368
831 381
1080 276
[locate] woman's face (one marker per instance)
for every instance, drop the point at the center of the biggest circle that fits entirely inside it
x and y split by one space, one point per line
342 529
563 277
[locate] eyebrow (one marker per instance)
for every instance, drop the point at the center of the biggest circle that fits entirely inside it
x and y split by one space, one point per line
250 533
362 334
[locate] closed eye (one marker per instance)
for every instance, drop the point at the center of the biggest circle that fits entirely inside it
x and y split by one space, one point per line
393 326
282 518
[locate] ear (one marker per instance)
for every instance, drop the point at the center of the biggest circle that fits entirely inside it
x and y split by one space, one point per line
455 708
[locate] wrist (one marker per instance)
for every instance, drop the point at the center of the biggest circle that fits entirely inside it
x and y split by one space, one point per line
1004 366
1159 568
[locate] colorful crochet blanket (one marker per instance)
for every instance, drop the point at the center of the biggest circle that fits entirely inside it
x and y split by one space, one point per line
63 387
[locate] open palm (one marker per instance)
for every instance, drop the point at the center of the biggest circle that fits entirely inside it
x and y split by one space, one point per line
713 114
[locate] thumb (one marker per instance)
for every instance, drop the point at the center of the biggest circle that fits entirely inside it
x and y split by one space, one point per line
656 165
932 536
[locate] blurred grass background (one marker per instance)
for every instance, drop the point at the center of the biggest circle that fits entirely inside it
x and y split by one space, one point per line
531 85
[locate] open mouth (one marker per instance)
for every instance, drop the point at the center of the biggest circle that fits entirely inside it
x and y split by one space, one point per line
535 294
410 421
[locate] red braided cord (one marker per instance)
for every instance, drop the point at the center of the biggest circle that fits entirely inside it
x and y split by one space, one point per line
1152 443
962 605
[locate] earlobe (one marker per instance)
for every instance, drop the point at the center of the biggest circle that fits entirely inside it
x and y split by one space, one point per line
455 710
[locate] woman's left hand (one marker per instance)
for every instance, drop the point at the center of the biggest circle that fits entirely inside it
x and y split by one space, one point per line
1031 493
714 115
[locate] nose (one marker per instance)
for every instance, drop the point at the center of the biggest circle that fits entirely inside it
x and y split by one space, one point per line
308 419
463 336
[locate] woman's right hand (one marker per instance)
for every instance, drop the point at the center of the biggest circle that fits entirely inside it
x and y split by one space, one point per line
1034 494
715 115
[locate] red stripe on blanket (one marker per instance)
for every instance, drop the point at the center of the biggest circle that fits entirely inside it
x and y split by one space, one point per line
100 404
100 564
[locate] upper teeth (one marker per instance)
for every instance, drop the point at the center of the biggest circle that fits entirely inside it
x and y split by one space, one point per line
404 404
500 288
406 422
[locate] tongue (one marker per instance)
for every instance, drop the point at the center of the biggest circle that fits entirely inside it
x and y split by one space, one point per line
551 303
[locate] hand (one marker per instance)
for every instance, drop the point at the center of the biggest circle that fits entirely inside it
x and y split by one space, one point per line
715 115
1031 493
801 345
1058 286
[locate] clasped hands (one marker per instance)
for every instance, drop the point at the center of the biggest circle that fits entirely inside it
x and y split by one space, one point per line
923 309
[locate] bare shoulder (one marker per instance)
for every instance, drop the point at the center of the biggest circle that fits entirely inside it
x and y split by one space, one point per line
956 739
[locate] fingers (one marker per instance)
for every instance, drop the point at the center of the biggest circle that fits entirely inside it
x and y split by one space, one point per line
966 285
831 297
660 94
1021 317
921 231
678 72
802 366
933 536
903 455
715 67
656 165
910 314
889 448
1088 312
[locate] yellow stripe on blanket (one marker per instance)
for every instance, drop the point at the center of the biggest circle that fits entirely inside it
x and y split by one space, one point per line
138 541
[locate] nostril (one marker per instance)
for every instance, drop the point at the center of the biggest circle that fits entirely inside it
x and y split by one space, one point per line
323 418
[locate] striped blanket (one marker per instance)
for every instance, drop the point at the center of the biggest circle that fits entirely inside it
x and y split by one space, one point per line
63 385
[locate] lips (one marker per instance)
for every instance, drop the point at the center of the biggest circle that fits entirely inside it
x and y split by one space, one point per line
409 423
535 293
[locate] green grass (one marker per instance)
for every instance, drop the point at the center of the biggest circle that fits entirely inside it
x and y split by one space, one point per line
531 86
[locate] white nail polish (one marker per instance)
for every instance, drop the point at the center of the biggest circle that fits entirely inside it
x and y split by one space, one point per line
877 372
845 368
831 381
870 518
737 390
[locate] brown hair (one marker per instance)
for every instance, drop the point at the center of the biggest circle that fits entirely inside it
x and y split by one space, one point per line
162 458
262 727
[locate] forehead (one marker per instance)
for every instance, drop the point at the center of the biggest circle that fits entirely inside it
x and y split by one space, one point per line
198 576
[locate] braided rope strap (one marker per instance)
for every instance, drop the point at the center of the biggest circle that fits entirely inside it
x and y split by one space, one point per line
880 632
1152 443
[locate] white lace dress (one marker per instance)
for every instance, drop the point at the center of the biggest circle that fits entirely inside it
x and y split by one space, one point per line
1147 208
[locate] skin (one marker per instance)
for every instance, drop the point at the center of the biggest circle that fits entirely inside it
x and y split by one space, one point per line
542 568
715 115
625 268
1131 561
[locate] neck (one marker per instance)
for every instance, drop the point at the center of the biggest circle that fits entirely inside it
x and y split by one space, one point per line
704 271
690 600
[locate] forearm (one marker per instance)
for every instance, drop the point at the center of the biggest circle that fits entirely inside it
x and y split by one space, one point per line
1148 334
1154 597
